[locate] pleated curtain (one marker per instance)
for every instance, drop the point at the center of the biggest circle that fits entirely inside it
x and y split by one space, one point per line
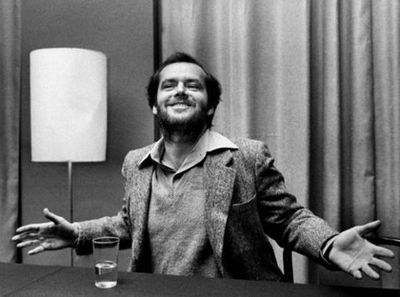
318 81
10 43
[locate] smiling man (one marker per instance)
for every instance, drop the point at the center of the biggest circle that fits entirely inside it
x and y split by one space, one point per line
197 203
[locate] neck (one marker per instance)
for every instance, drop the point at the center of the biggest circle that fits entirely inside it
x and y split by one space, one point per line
178 146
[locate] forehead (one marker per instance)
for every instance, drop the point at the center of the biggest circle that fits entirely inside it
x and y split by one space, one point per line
182 70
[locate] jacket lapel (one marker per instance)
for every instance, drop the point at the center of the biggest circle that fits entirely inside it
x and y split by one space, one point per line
140 199
219 184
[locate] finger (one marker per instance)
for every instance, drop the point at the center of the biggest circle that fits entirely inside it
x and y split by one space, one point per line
369 227
383 252
49 245
27 243
52 216
356 274
381 264
25 236
28 228
36 250
18 237
33 228
370 272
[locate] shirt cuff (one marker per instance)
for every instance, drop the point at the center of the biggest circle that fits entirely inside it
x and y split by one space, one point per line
324 253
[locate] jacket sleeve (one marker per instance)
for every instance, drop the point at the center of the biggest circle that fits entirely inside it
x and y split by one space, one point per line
283 218
118 225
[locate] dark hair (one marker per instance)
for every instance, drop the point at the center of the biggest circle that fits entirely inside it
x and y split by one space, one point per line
213 86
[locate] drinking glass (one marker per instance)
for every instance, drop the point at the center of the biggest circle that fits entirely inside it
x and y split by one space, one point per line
105 253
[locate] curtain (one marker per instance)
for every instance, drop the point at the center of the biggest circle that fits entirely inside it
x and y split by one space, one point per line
354 103
9 124
318 81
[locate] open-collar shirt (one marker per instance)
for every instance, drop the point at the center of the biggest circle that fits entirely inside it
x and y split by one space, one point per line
177 233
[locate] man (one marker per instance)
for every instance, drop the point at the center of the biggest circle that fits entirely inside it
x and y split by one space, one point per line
197 203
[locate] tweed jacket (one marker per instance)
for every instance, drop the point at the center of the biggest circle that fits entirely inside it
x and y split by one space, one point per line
246 200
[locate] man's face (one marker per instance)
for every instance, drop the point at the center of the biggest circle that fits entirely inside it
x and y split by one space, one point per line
182 96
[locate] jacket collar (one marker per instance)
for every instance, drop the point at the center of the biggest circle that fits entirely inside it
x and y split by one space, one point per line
209 142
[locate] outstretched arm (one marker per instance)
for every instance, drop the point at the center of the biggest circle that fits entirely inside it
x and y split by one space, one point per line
355 255
53 235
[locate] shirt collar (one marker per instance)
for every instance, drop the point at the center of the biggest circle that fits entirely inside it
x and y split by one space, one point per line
208 142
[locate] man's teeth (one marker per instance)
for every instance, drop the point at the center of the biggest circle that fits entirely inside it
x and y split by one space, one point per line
180 105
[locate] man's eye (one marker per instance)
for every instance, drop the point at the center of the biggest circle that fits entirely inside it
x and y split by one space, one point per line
168 86
194 86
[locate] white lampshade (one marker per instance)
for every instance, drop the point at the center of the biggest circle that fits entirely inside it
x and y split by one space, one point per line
68 105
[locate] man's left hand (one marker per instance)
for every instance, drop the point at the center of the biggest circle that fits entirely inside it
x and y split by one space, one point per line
355 255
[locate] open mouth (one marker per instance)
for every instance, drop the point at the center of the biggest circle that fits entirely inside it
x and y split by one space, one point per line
178 108
181 104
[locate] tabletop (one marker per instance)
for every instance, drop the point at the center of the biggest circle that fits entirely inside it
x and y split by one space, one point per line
34 280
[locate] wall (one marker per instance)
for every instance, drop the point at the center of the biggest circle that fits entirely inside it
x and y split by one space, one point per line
122 29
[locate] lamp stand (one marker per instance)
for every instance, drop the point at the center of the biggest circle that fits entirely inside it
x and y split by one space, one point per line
71 203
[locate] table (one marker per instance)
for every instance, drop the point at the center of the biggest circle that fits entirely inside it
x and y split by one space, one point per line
34 280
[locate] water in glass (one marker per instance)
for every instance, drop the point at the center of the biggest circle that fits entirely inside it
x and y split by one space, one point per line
106 274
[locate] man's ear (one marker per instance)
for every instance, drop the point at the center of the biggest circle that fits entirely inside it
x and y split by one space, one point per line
210 111
154 109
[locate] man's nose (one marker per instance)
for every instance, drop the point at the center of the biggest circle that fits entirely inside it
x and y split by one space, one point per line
180 88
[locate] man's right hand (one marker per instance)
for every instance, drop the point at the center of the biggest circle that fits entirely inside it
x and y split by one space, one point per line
54 235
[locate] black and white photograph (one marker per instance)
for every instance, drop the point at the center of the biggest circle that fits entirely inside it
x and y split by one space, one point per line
200 148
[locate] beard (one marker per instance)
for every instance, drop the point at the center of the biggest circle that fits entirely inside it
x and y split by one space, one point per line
187 128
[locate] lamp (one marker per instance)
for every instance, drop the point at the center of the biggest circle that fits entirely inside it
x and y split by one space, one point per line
68 107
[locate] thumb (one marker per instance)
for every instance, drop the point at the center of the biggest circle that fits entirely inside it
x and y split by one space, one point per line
52 216
367 228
